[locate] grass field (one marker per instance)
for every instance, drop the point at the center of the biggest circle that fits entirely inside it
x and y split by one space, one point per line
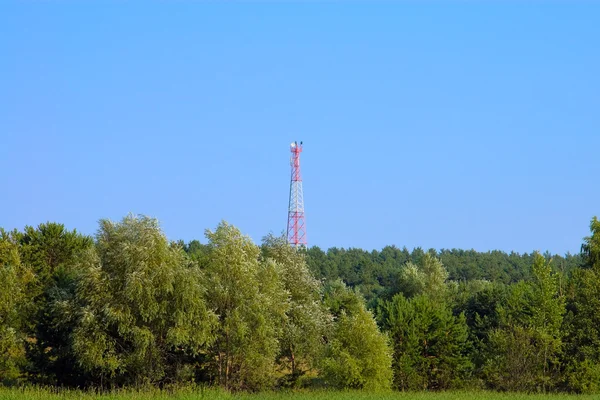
39 394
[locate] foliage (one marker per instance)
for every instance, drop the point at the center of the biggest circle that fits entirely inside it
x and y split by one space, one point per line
479 301
128 307
51 251
14 278
376 274
525 350
429 343
306 319
250 302
583 318
357 355
140 305
49 248
427 277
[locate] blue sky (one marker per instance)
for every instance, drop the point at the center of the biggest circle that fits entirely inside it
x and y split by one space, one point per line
434 124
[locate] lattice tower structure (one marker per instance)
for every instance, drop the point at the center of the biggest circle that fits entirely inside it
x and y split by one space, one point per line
296 226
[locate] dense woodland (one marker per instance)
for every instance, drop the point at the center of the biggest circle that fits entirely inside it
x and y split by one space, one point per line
129 307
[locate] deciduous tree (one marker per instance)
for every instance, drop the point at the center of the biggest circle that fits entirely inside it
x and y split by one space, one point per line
250 302
357 355
142 305
306 318
14 278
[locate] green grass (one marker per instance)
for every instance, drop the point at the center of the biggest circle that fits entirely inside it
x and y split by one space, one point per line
215 394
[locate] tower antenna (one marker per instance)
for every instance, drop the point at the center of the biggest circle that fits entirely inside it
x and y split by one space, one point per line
296 226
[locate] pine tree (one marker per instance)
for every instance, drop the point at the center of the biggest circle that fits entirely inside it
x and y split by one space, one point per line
429 343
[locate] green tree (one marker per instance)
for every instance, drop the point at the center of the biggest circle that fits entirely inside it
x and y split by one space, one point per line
525 351
306 319
251 303
49 248
514 359
51 251
142 307
14 278
427 277
480 306
430 343
339 298
357 355
197 252
548 309
583 318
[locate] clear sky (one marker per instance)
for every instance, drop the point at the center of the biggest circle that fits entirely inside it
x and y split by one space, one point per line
472 124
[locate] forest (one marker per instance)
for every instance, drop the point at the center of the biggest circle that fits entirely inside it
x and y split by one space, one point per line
129 307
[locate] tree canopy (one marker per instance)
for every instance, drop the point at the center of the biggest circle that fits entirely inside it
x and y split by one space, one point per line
128 307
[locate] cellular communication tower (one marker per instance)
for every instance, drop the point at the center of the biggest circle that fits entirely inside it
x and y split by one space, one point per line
296 226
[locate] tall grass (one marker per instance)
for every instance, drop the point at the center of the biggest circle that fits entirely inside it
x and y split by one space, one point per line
217 394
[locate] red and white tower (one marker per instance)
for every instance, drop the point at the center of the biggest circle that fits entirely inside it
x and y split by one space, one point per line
296 227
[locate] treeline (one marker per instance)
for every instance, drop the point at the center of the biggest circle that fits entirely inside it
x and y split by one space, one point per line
376 273
129 307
